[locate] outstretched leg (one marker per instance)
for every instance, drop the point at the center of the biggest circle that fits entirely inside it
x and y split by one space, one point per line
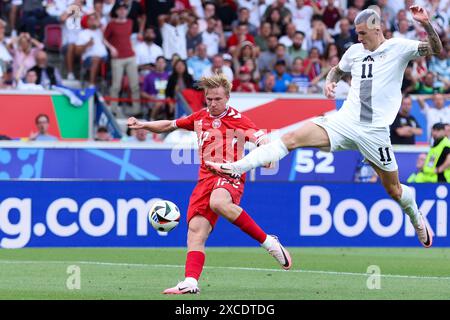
309 135
222 204
405 197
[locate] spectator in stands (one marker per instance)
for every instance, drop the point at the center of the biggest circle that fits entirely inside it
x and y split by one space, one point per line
254 71
261 40
288 38
240 35
123 60
198 63
91 47
34 18
244 17
4 137
103 134
292 88
193 38
296 50
409 82
277 23
301 16
318 82
266 58
440 66
5 57
331 14
147 51
279 5
179 80
439 113
141 135
364 173
155 8
281 54
155 84
30 82
135 14
298 77
213 37
24 49
42 124
428 85
218 66
405 127
418 175
320 37
246 51
437 163
244 81
226 11
69 33
282 78
313 64
386 13
268 82
209 11
330 51
346 36
419 68
47 76
173 30
403 31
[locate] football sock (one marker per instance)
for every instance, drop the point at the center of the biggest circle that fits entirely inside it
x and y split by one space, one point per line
267 243
271 152
194 264
249 226
409 205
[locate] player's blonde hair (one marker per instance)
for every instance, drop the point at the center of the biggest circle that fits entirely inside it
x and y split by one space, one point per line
215 81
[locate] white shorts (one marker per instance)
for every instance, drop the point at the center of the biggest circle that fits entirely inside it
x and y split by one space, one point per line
373 142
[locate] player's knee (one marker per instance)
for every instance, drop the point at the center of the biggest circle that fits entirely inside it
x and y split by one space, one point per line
395 192
289 140
219 206
197 234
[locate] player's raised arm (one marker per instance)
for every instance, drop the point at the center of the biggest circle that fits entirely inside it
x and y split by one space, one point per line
434 44
333 78
159 126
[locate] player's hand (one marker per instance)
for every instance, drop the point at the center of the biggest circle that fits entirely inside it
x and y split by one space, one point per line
330 90
419 14
114 52
134 123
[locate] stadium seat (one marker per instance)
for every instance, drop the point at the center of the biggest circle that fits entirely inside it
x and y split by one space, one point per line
53 37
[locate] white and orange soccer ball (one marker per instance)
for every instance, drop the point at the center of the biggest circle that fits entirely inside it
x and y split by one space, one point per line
164 215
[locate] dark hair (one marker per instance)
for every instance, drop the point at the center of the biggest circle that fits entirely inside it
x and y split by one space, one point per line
173 79
102 129
438 126
300 32
40 115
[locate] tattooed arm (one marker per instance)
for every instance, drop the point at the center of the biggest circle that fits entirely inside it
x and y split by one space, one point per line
333 77
433 45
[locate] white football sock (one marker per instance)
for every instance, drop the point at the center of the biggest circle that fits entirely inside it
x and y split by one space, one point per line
265 154
409 205
267 243
191 281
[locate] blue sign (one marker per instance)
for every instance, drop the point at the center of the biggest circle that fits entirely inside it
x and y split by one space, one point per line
303 165
114 214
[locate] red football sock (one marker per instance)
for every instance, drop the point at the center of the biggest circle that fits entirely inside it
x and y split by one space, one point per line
194 264
249 226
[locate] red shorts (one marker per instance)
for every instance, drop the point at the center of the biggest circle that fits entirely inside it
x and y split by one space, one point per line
199 201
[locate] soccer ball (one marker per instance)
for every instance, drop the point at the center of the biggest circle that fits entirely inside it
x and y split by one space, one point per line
164 215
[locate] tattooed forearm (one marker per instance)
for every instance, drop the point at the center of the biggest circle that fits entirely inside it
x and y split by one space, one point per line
433 45
335 74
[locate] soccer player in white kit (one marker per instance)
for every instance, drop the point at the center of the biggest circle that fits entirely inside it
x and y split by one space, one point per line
377 66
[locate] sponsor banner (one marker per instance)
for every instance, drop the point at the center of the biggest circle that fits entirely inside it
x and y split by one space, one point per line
114 214
308 165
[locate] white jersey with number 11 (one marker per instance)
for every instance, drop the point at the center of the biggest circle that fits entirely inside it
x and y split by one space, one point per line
375 92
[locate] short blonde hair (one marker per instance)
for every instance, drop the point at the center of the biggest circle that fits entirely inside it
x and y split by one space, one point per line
215 81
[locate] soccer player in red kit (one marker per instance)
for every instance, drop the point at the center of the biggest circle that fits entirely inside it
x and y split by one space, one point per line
221 132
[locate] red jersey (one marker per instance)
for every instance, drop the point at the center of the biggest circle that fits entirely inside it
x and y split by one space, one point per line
222 138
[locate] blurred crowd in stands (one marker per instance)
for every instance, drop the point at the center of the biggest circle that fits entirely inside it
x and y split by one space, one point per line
141 54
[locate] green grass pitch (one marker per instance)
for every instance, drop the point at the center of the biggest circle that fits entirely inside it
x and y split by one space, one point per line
230 273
